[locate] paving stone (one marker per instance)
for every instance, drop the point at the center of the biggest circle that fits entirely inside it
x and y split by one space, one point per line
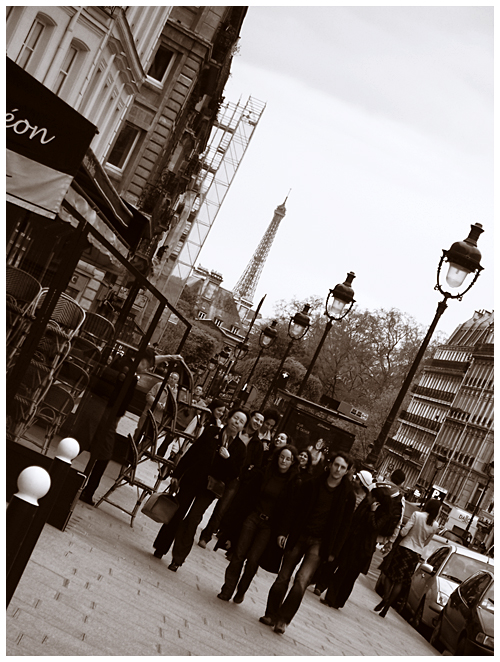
96 589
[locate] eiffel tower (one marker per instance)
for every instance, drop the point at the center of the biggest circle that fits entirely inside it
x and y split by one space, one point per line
244 290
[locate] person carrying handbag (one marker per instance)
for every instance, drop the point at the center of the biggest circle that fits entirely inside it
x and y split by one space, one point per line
213 461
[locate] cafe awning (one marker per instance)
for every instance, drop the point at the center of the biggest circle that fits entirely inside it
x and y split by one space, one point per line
129 224
46 140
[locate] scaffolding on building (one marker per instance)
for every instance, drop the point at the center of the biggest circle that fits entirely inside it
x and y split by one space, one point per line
231 135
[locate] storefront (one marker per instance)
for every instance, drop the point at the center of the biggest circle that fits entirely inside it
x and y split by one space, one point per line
71 243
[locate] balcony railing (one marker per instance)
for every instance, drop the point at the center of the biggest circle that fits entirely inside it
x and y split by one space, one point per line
486 349
409 453
452 366
427 423
435 393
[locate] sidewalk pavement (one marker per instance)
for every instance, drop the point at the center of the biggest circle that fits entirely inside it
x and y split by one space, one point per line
96 589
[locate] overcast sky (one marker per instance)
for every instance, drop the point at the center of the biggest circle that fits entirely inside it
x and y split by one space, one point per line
380 120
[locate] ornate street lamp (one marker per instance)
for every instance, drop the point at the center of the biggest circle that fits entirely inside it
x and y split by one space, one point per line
297 329
240 350
266 339
463 258
220 361
439 463
341 296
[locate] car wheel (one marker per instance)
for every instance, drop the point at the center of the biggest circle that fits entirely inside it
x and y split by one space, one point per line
435 639
416 621
461 644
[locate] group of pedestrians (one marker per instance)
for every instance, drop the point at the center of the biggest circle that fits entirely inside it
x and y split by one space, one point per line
299 515
275 511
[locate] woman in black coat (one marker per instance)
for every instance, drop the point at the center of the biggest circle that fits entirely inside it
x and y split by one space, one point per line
266 494
217 453
357 551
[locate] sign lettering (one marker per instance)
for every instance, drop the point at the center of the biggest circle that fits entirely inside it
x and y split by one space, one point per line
23 126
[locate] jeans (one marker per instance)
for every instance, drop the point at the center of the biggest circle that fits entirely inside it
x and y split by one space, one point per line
254 536
220 510
184 537
279 608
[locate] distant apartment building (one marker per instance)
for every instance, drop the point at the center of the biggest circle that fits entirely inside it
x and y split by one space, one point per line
445 437
206 301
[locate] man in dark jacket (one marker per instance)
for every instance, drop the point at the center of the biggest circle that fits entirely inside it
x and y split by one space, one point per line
316 526
216 453
250 437
357 551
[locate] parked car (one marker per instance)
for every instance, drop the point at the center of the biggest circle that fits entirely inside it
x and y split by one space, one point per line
434 580
461 537
465 625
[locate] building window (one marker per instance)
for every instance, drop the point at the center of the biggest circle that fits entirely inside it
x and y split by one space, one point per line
35 43
124 146
209 291
70 67
234 329
202 315
32 40
160 64
217 322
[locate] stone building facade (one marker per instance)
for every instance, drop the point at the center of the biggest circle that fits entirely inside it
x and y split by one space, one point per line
445 436
151 80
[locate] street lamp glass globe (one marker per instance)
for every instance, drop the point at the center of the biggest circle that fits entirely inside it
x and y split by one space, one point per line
335 306
299 324
456 275
265 341
296 330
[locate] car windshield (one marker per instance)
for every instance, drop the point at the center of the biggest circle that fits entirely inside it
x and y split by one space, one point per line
458 568
488 602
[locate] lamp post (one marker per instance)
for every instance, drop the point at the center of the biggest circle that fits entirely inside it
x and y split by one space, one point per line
335 309
220 359
440 462
489 473
240 350
463 258
266 339
211 365
297 328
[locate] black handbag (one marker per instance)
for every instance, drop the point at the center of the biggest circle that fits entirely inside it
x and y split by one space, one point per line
161 507
216 486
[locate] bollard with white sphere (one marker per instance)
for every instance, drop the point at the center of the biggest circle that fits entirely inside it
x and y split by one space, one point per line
33 483
66 451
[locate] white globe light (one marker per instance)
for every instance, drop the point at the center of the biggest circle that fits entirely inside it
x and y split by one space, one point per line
33 483
67 449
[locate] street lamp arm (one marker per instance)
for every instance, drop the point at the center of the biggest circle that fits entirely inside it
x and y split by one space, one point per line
277 373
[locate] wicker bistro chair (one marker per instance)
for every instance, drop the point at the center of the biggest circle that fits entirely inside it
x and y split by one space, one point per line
21 290
72 377
139 452
66 319
52 410
97 329
84 353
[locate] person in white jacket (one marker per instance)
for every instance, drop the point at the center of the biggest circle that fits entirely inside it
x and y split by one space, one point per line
416 534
